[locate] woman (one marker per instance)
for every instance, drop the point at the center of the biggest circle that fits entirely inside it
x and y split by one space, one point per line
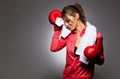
75 20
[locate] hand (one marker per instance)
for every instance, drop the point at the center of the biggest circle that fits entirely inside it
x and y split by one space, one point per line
91 52
55 18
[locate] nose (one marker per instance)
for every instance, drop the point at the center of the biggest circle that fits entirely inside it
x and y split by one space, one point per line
66 23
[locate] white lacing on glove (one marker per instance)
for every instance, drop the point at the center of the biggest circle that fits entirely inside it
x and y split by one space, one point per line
59 22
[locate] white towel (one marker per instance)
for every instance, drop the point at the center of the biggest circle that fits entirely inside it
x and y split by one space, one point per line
65 31
88 39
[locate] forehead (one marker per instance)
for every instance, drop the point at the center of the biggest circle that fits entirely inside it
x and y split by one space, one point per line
67 16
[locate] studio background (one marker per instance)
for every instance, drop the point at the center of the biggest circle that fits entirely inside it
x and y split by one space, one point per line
25 37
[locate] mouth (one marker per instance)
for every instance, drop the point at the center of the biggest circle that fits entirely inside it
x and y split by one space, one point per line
68 28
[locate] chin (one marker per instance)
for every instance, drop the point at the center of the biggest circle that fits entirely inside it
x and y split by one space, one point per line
73 29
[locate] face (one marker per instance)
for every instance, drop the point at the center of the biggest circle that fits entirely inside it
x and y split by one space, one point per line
71 21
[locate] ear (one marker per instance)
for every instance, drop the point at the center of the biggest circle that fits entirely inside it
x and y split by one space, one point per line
77 16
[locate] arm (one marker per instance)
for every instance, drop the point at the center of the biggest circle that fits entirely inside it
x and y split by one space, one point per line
99 42
56 43
55 18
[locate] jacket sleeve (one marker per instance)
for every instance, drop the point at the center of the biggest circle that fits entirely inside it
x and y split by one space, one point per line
56 43
100 59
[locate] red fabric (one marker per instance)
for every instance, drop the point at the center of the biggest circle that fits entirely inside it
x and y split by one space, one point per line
74 69
56 28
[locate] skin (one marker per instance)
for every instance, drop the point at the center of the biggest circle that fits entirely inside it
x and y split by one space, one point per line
74 23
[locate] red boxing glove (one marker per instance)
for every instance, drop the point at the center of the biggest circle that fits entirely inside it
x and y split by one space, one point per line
55 18
91 52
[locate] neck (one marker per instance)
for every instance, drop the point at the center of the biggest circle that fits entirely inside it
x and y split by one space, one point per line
79 27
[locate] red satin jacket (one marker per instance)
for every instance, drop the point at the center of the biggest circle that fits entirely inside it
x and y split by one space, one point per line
75 69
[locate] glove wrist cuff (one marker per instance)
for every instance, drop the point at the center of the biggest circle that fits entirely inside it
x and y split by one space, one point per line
59 21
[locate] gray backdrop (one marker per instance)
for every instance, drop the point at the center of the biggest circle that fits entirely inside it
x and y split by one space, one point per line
25 36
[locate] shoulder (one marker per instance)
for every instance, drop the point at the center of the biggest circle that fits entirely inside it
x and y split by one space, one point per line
99 35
